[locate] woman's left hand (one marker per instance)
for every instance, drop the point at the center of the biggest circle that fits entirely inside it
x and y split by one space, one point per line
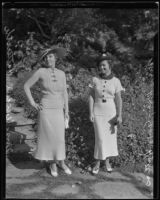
119 119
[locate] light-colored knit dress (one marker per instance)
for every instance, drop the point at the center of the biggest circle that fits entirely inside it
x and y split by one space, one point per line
104 116
51 126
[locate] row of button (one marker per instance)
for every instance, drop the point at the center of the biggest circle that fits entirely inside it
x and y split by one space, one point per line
103 97
53 77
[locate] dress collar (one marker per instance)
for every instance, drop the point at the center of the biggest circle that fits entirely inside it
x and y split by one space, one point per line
52 70
103 76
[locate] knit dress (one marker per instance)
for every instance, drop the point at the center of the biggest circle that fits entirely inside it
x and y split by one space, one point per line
51 125
104 116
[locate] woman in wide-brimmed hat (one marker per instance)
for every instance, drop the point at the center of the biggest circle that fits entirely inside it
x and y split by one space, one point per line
105 106
53 110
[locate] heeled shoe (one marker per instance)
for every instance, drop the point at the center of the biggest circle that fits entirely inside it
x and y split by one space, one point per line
95 170
65 169
109 169
53 173
68 171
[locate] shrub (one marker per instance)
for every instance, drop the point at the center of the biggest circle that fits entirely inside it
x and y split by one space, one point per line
134 135
20 97
80 135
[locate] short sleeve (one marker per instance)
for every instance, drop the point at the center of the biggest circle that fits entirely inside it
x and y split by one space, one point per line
92 83
91 88
118 86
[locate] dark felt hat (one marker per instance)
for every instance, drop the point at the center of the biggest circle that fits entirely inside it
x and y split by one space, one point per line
59 51
102 57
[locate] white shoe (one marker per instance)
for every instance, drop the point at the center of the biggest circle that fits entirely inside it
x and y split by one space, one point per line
109 169
53 173
68 171
65 169
95 170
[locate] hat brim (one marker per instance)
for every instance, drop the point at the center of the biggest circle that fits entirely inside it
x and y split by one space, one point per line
102 58
59 51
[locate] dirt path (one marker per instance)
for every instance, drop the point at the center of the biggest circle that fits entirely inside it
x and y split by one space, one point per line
27 178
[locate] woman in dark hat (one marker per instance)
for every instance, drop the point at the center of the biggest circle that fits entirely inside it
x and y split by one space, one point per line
105 106
53 110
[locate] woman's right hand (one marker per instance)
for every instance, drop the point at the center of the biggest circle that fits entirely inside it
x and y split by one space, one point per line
36 106
91 117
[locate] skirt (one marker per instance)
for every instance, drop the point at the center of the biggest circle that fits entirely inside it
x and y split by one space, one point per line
51 135
105 130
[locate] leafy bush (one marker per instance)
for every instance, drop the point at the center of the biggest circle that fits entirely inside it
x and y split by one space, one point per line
80 135
134 135
20 97
127 39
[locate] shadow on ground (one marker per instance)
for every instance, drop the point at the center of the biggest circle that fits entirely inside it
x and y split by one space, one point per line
24 161
138 184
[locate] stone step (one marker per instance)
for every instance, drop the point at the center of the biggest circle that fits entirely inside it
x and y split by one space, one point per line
17 109
28 132
16 137
21 120
21 148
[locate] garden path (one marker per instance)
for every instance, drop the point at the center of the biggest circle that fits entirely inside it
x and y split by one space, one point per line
27 178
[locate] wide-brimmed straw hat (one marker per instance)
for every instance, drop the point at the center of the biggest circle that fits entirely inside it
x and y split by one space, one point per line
59 51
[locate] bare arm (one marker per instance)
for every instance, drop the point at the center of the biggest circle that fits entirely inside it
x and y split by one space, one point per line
65 98
29 83
91 104
118 101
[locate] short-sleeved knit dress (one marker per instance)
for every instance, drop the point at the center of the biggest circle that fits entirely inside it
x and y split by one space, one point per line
104 116
51 126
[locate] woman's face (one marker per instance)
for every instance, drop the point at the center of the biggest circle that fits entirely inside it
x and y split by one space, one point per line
51 59
104 67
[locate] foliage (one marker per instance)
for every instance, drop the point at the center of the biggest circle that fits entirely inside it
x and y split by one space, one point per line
10 123
80 135
20 97
23 54
85 33
135 136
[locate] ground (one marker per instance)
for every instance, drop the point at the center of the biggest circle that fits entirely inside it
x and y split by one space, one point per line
27 178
